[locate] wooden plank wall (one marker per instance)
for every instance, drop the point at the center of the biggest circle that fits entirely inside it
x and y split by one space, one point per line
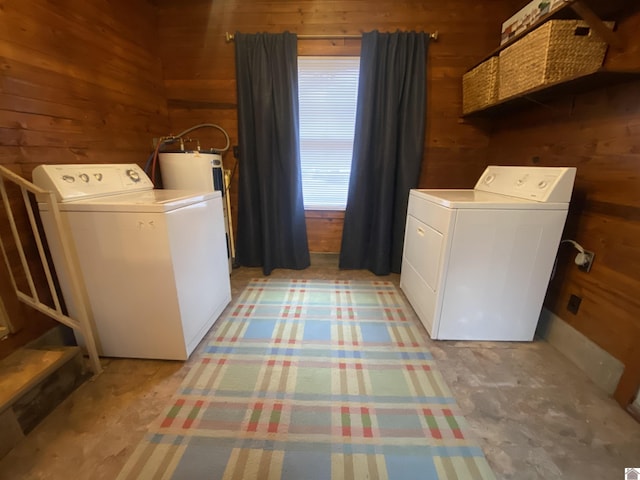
599 133
199 71
80 82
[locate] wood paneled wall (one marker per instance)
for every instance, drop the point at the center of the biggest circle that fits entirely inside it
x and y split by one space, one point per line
80 82
199 70
599 133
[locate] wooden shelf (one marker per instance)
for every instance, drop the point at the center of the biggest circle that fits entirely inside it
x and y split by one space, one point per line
538 95
593 11
604 9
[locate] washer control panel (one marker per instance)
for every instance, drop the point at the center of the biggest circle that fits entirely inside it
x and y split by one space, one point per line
542 184
77 182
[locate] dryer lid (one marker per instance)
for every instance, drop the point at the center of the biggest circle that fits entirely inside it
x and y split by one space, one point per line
478 199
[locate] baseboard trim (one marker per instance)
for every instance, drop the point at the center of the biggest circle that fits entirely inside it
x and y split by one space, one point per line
599 365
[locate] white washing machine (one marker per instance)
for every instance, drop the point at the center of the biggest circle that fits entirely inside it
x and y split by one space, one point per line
476 263
153 262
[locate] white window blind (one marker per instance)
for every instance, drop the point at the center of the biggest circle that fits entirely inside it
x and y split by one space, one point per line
328 90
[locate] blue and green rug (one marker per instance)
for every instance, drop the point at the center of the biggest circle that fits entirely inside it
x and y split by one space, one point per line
310 379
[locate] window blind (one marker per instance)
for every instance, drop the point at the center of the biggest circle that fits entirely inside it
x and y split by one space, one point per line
328 90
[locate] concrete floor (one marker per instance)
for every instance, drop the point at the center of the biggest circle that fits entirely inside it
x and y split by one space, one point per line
535 415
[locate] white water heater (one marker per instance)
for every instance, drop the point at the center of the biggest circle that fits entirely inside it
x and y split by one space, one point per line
198 171
192 171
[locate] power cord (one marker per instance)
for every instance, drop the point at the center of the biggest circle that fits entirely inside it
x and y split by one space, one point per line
584 258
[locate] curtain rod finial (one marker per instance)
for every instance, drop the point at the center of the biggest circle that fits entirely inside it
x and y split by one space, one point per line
229 37
434 36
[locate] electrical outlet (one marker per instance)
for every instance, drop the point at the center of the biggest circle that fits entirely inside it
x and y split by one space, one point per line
574 304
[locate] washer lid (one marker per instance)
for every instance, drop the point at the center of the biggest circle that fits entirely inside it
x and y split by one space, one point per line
478 199
149 201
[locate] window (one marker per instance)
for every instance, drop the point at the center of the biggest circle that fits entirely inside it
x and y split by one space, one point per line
328 90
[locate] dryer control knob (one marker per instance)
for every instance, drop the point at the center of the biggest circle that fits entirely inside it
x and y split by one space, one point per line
489 178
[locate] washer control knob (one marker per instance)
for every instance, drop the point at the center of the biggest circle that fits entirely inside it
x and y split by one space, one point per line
98 176
84 177
68 178
543 184
489 178
133 175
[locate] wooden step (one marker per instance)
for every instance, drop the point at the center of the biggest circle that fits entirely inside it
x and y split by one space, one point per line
33 381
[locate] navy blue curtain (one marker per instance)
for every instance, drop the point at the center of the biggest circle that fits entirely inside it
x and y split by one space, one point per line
387 150
271 224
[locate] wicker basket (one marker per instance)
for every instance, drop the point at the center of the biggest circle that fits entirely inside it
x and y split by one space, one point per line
557 50
480 86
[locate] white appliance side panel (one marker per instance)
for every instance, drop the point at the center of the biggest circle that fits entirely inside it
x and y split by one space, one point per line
126 263
499 268
199 251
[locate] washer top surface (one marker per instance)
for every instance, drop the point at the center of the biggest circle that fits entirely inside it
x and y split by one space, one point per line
110 188
149 201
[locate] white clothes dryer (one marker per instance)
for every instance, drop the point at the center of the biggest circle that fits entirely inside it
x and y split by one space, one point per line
477 263
153 262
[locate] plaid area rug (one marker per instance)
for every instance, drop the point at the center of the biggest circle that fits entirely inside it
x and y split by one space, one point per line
306 380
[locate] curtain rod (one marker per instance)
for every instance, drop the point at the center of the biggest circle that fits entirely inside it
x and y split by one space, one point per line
230 37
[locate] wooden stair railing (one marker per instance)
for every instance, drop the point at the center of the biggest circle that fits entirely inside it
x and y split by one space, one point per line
81 324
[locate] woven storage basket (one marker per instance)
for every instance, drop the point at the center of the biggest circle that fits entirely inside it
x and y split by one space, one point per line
557 50
480 86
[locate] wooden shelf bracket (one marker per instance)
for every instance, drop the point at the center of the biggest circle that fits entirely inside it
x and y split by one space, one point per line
588 15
